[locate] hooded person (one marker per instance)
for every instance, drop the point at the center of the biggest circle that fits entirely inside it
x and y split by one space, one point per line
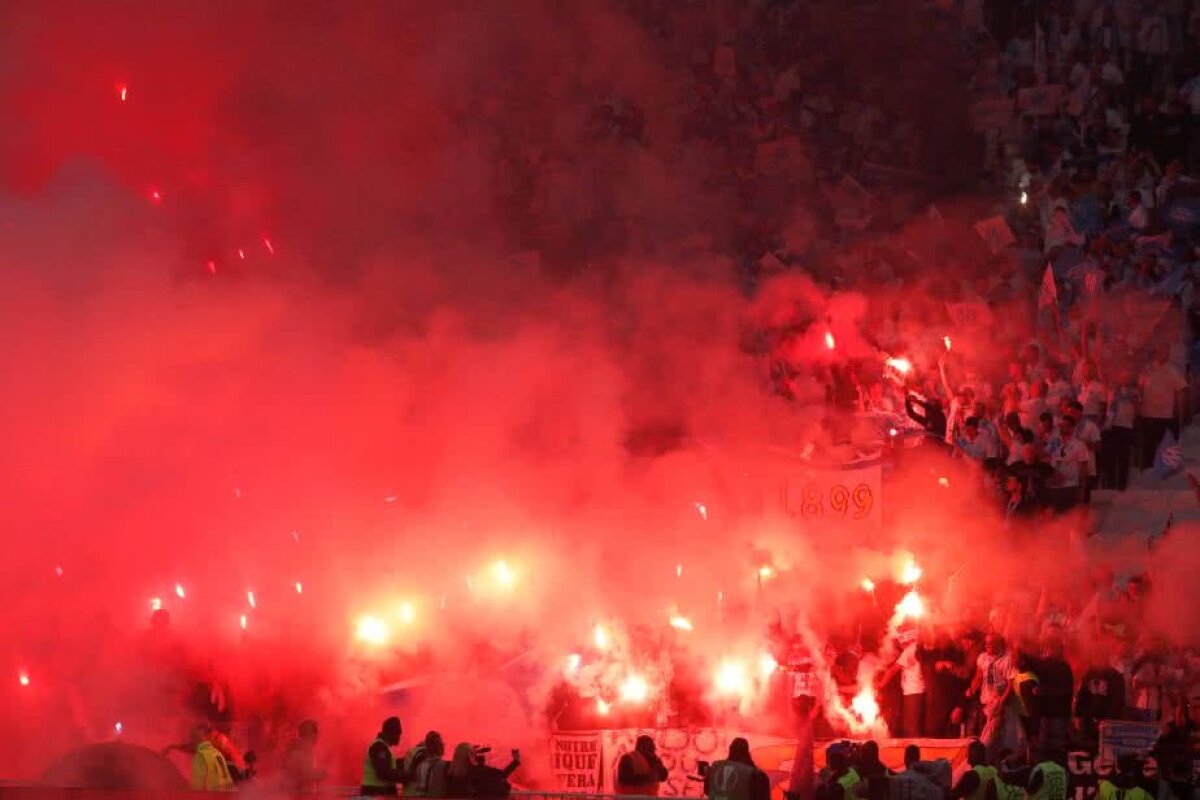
737 777
640 771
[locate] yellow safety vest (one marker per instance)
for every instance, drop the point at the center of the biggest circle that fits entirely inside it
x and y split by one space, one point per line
849 782
1007 791
412 760
1110 791
210 773
370 778
1054 782
1020 679
986 775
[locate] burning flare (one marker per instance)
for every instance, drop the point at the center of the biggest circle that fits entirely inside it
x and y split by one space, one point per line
868 585
634 690
829 342
901 365
911 573
681 623
865 706
911 606
731 678
371 630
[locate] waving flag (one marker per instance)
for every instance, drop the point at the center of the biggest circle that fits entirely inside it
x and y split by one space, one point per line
1168 459
1048 296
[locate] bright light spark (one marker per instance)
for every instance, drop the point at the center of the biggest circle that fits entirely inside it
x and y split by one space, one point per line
911 573
574 662
634 689
250 599
299 587
703 509
179 591
865 706
23 678
267 244
122 91
946 341
58 572
911 606
211 266
731 678
868 585
600 637
766 572
156 604
829 342
504 574
371 630
767 665
154 195
241 254
679 570
243 622
893 432
118 728
681 623
601 707
944 482
407 613
901 365
1024 197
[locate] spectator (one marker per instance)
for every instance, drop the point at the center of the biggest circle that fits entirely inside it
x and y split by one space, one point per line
1156 415
912 784
1070 459
993 681
641 770
1055 687
725 780
1117 439
299 773
1101 697
912 684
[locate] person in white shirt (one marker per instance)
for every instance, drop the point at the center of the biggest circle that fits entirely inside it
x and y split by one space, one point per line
1156 415
994 672
1070 458
1057 388
1091 392
1088 432
912 685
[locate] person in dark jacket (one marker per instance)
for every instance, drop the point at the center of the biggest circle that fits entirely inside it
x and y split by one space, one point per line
1055 685
1101 696
724 779
640 771
468 775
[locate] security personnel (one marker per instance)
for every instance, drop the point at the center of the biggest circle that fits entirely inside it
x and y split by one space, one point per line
843 780
640 771
737 777
1048 780
380 772
973 785
1125 784
210 772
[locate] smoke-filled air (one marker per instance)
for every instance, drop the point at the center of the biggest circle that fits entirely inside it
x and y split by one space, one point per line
522 367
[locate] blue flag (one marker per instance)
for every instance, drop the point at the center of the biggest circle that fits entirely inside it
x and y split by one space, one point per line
1168 460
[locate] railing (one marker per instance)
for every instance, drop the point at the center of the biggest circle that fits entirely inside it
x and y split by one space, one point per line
24 791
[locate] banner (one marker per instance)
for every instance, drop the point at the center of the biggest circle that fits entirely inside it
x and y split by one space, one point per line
969 315
681 750
1118 738
575 762
835 497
